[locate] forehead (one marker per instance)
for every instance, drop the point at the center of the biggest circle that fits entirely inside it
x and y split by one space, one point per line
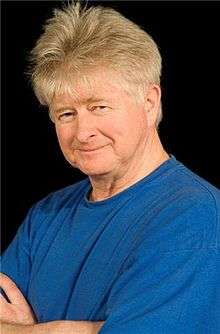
95 85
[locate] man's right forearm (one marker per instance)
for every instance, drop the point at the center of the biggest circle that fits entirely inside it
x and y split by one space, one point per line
54 327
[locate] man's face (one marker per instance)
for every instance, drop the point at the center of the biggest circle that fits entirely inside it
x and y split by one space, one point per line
101 129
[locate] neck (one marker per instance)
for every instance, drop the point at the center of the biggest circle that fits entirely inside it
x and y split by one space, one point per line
106 186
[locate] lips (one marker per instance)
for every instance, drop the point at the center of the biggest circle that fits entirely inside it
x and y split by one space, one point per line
94 149
91 149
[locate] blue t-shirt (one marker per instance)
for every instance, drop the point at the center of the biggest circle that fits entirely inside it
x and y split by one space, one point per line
145 260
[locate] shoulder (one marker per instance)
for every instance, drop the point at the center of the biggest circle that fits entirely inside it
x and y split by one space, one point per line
193 181
63 198
47 213
185 213
201 198
182 187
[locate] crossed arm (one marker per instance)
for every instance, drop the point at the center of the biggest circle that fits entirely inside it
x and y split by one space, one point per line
17 316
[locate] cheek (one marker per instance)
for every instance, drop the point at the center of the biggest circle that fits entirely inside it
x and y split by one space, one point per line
128 129
114 130
134 132
119 132
65 136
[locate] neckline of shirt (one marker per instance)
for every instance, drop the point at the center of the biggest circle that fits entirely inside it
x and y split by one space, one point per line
157 173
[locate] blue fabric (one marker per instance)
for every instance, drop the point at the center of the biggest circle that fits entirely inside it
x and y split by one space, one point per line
145 261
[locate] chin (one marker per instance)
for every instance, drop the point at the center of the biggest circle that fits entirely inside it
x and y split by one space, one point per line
94 170
90 166
93 173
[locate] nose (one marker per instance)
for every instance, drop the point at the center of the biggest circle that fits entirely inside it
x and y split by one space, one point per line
85 128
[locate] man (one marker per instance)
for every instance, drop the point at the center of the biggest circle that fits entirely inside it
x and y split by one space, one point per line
133 248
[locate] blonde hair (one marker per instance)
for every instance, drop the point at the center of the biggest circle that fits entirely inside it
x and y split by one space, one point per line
77 38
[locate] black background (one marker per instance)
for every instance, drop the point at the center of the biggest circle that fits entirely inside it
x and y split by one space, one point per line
188 36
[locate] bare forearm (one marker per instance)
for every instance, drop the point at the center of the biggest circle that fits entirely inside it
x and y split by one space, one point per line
54 327
7 328
68 327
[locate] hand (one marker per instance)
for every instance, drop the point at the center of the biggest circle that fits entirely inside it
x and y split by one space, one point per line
97 326
17 311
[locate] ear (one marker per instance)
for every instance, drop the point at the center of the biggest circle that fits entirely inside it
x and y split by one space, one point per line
152 103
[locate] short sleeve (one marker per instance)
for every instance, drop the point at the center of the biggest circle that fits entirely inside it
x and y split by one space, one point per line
167 292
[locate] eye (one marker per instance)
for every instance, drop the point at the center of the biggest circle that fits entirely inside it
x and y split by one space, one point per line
66 116
99 108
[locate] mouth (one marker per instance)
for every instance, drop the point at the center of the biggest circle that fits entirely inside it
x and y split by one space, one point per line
94 149
91 150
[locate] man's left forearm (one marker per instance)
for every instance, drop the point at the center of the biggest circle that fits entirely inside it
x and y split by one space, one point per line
54 327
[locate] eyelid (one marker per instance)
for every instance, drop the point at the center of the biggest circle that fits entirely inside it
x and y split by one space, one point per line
66 115
66 112
99 106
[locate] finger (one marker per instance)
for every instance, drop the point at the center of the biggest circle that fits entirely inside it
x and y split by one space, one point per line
6 312
2 293
11 290
3 301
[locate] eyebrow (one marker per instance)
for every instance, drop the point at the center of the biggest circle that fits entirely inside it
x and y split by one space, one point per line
83 101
